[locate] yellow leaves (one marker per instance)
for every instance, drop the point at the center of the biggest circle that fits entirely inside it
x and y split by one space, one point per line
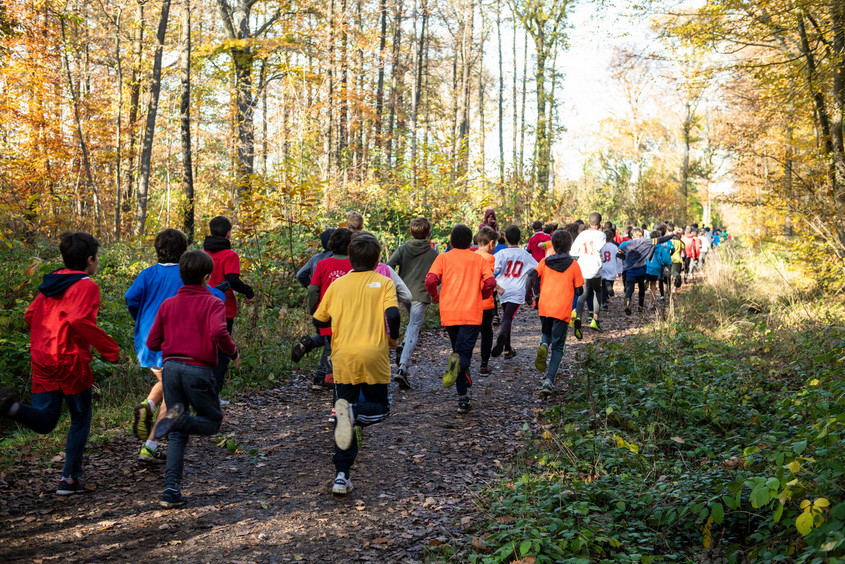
811 515
706 530
622 443
794 466
547 435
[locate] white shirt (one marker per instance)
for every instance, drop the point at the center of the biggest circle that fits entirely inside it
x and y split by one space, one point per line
609 263
587 249
512 265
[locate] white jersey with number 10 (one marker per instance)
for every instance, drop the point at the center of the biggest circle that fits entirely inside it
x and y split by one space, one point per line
512 266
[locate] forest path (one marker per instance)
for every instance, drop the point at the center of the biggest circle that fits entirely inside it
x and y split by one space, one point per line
413 478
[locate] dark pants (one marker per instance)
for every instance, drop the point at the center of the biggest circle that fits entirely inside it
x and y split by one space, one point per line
487 334
325 366
629 288
463 338
370 404
43 415
508 313
554 337
222 361
676 273
606 291
193 387
592 290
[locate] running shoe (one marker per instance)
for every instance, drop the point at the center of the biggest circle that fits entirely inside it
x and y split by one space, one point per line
166 423
540 360
172 499
69 488
547 388
594 324
151 456
301 348
484 370
401 378
578 333
451 373
143 421
343 432
342 485
464 405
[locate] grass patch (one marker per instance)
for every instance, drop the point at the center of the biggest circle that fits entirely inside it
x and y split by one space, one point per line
715 435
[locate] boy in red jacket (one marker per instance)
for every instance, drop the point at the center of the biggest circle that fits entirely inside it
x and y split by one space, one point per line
63 324
189 329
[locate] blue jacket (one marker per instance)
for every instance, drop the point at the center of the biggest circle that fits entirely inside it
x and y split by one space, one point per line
143 298
661 257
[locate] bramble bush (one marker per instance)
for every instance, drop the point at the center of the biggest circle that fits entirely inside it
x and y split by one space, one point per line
716 435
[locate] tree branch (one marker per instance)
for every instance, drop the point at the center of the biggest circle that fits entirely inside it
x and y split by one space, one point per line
226 16
268 23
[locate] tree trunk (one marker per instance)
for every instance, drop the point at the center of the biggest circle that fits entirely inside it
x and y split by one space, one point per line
380 85
395 74
149 130
521 168
541 147
237 21
119 133
482 133
185 113
515 105
134 102
683 187
343 126
78 122
501 101
466 66
330 132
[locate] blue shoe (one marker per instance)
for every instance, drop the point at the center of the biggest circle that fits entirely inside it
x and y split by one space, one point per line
172 500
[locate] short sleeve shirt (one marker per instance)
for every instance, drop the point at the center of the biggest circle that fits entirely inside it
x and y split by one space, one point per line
355 304
557 289
328 270
512 266
461 273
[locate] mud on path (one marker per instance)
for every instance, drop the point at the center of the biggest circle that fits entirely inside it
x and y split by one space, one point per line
413 478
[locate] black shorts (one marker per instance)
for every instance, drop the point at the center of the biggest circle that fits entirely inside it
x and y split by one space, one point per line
651 277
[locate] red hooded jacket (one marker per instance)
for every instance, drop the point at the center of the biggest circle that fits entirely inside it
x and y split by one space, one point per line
63 324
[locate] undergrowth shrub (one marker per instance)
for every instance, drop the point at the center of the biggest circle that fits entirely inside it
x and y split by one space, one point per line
715 435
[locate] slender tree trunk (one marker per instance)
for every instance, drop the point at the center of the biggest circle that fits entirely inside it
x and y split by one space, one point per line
360 155
515 105
541 146
265 147
837 18
466 66
395 74
521 168
501 100
149 130
343 126
185 114
330 132
78 122
118 157
481 128
134 102
453 130
416 56
380 84
683 187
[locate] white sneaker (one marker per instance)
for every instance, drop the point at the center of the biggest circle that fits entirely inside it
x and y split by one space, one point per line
343 432
342 484
224 402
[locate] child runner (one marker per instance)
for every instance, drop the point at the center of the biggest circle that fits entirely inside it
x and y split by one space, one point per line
413 259
355 306
227 268
189 330
354 221
560 280
538 237
512 265
609 267
143 298
63 323
587 250
465 279
304 275
486 238
327 271
660 258
690 252
636 252
704 241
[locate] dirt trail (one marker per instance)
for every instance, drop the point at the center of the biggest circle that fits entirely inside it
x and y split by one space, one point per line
413 477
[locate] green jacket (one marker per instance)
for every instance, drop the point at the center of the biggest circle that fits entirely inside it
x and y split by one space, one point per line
412 261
